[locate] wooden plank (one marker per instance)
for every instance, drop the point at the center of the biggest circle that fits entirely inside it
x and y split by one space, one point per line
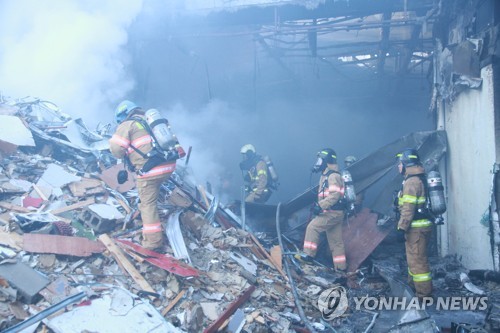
135 256
277 256
11 239
74 206
56 244
203 195
122 259
263 250
173 303
40 193
9 206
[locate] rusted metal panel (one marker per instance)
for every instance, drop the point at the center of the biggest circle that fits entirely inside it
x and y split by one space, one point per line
361 236
164 261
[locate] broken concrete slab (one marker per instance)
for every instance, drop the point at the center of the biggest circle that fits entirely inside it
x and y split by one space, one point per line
117 312
26 280
67 245
13 131
101 217
86 187
56 176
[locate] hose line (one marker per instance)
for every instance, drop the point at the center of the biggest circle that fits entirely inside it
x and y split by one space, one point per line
292 283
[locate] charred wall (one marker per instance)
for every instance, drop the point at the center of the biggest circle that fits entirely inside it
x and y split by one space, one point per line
466 81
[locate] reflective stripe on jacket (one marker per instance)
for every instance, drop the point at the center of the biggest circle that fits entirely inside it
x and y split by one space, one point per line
412 198
131 132
258 177
330 190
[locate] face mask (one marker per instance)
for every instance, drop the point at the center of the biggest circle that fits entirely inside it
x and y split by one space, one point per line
319 165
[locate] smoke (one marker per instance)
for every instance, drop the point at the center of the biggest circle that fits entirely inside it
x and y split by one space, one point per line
68 52
216 133
221 90
216 84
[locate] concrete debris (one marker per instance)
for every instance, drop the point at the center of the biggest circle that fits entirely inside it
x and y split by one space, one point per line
24 279
14 132
116 310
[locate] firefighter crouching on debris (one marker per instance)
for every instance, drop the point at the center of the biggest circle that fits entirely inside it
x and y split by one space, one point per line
414 222
329 210
132 142
255 174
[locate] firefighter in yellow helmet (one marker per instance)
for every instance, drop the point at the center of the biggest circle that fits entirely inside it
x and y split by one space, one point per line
414 221
329 210
255 174
132 142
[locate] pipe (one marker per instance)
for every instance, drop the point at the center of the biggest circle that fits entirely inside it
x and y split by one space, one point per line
45 313
375 315
292 283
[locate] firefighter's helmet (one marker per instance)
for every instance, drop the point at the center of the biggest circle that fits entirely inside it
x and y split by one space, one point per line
350 160
325 156
124 109
409 157
247 148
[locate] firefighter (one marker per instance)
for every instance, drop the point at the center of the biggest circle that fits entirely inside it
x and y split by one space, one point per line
329 211
131 142
360 196
414 221
255 174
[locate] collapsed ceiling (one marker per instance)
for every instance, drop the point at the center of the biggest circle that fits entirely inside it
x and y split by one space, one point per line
385 37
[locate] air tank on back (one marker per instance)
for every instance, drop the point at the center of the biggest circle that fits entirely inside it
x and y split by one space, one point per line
436 193
349 192
272 170
161 130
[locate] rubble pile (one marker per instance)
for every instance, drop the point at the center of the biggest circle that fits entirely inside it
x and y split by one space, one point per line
71 259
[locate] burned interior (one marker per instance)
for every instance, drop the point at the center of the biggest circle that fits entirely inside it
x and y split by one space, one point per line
249 166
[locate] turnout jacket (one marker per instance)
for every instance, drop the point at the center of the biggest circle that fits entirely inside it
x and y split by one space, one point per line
331 188
412 198
255 173
131 132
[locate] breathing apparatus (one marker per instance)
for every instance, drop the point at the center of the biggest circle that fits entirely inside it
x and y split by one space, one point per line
435 198
325 156
165 146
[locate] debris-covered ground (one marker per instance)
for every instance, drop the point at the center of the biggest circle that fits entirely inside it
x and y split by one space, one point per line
71 260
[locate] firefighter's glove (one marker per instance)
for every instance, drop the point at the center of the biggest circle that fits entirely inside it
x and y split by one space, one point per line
122 176
316 210
247 189
401 229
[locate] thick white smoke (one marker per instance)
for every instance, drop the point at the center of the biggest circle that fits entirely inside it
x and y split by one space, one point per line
68 52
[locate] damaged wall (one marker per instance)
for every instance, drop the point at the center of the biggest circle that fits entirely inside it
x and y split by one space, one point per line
465 79
469 122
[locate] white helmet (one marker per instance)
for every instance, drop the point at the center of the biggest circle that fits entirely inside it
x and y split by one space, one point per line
246 148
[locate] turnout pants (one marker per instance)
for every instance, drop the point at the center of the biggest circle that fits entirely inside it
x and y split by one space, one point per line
149 190
419 273
331 223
